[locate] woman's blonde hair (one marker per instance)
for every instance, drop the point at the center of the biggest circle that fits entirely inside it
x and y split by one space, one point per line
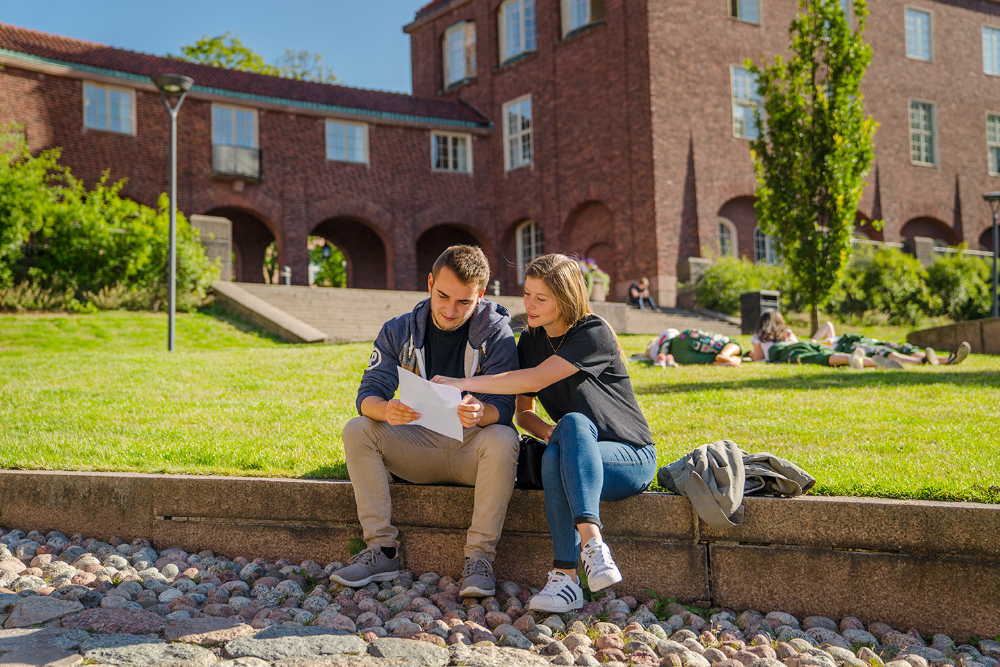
564 279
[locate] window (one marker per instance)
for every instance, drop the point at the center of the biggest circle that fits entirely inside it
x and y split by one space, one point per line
922 145
848 8
451 152
459 53
232 126
346 142
517 133
763 248
918 34
579 13
107 108
727 238
517 28
993 142
745 100
529 246
745 10
991 50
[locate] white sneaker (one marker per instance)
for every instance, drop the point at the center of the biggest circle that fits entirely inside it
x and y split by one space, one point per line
599 566
561 594
858 359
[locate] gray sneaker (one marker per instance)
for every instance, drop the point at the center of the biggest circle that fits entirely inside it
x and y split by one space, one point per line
478 580
368 566
886 362
959 355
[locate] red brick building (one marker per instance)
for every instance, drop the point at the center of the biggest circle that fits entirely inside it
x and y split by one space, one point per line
614 129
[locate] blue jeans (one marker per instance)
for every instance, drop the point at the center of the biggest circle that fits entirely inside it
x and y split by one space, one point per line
578 472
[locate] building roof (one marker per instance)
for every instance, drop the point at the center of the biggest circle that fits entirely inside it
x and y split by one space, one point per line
431 5
82 55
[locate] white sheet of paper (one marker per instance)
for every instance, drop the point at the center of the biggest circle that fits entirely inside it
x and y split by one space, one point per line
437 404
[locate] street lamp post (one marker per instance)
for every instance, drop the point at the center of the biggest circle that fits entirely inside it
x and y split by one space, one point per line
993 201
172 84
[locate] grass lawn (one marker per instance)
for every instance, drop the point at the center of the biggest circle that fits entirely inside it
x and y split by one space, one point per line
98 392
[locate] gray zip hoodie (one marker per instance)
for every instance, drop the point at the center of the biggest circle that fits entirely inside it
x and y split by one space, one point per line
491 350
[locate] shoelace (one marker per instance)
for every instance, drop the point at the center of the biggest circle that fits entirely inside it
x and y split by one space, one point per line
481 566
596 554
367 557
556 581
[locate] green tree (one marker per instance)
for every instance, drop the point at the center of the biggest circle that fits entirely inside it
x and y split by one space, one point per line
226 51
229 52
815 146
332 270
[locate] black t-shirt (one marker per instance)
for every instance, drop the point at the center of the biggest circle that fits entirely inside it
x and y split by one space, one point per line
444 351
601 390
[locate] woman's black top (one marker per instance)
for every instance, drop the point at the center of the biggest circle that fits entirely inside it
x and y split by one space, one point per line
601 390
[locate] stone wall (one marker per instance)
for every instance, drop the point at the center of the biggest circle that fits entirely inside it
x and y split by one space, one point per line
930 565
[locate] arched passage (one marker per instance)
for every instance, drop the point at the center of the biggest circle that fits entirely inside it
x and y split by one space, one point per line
986 240
931 228
589 234
251 237
434 241
363 250
740 214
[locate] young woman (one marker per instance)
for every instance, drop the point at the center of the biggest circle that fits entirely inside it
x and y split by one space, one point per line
774 341
600 447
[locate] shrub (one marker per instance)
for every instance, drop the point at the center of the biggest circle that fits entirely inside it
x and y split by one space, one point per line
963 284
29 296
887 281
720 287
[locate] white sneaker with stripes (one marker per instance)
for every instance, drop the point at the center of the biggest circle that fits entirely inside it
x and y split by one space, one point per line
599 566
561 594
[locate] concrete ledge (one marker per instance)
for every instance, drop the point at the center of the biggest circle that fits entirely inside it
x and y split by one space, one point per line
982 335
930 565
241 303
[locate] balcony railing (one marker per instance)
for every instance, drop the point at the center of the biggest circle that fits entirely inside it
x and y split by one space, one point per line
236 162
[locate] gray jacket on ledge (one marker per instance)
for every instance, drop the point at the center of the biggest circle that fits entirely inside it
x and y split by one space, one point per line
715 477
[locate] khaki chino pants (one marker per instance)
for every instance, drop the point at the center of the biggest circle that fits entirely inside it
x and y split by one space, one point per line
486 459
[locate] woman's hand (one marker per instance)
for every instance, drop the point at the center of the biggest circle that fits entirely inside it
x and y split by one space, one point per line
457 383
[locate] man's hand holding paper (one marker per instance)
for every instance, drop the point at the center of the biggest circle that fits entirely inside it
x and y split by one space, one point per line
437 406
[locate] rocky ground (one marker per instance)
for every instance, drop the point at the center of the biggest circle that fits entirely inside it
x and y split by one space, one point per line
70 600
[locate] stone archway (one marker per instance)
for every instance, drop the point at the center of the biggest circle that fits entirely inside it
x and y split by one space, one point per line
740 212
434 241
251 238
986 240
363 250
589 232
931 228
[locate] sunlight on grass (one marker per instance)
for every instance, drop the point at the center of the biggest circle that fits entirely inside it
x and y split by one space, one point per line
99 392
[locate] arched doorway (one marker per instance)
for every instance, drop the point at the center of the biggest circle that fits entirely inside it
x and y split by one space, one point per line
589 233
986 240
363 250
435 241
931 228
251 238
739 213
327 264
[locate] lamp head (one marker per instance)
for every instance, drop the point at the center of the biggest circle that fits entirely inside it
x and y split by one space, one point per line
326 252
992 200
172 84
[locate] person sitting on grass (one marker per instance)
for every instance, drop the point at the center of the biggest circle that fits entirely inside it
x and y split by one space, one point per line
903 353
774 341
693 346
600 448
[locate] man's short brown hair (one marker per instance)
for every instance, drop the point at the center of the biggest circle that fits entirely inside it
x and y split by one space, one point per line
467 262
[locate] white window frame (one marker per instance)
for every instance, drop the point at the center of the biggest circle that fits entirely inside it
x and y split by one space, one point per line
536 250
734 249
566 15
527 45
935 154
346 123
930 33
234 109
993 163
508 138
735 15
995 48
107 107
770 254
748 103
848 7
452 136
468 30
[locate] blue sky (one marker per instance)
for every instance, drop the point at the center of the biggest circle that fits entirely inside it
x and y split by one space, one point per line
361 39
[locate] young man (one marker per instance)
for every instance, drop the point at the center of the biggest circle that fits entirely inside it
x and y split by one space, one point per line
455 333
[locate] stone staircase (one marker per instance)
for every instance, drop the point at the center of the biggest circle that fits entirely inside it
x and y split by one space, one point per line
347 315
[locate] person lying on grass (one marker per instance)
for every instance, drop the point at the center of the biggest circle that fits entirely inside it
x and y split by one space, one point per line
774 341
903 353
692 346
600 447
